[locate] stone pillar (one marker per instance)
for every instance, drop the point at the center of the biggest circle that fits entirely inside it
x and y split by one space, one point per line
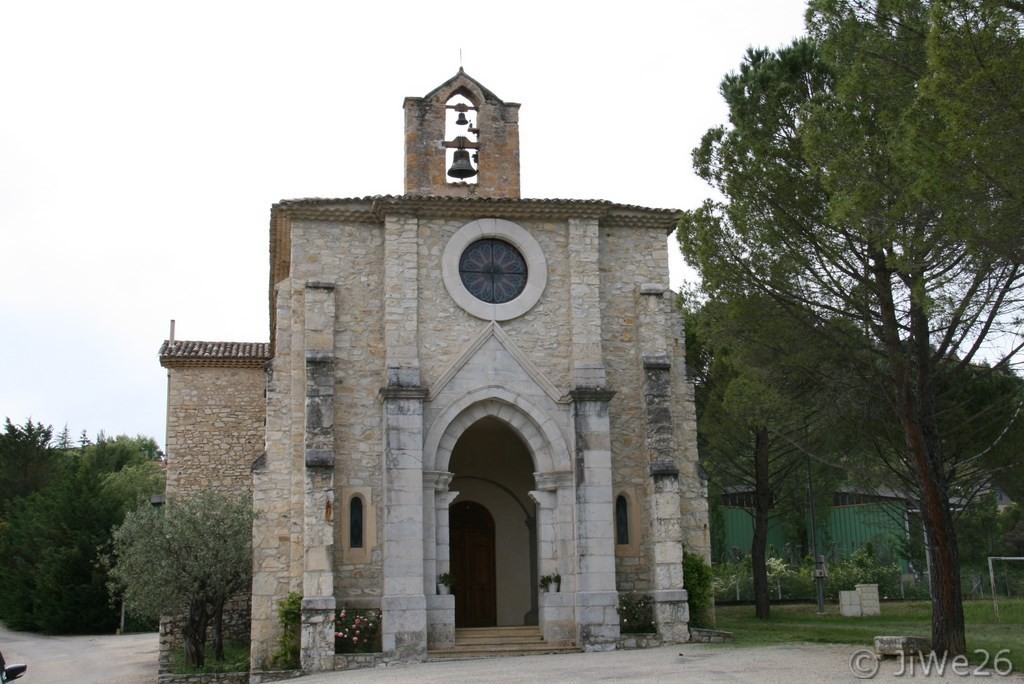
556 553
403 605
532 616
596 596
318 602
671 610
437 558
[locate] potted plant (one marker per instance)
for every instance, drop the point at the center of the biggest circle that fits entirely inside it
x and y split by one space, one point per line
445 582
551 582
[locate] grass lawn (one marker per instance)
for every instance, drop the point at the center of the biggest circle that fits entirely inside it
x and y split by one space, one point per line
801 623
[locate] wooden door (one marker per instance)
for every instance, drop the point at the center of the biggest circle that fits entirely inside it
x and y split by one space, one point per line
472 547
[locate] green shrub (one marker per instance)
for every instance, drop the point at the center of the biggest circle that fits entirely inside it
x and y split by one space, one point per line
236 659
862 568
636 613
698 581
290 615
734 581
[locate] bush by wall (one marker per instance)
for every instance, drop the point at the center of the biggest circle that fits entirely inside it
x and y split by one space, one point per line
698 578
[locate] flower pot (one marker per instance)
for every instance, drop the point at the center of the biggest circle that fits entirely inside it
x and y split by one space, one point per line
442 589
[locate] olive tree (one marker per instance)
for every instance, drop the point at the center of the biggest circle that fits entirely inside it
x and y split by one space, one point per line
189 556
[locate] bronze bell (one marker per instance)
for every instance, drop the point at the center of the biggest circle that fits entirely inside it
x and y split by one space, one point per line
461 166
462 120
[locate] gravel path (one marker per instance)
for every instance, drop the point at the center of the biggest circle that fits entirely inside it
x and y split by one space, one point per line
701 663
131 659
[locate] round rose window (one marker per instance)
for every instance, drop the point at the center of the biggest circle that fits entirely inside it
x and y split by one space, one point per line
493 271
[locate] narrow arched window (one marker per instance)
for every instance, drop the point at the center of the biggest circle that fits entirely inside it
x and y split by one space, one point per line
355 523
621 520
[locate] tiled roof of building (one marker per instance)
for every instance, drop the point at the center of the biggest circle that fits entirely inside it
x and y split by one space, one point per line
177 353
377 206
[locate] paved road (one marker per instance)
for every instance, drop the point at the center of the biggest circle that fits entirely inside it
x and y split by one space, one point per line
131 659
126 659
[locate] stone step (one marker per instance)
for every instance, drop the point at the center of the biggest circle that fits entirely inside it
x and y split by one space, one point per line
497 642
505 651
498 635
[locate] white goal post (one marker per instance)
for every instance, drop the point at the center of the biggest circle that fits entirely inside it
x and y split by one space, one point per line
992 578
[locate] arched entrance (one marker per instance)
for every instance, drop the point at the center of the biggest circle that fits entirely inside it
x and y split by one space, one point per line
493 472
472 563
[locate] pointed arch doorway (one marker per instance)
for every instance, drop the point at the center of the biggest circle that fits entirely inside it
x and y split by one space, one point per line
492 527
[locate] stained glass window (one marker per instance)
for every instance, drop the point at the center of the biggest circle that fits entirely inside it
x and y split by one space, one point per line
493 271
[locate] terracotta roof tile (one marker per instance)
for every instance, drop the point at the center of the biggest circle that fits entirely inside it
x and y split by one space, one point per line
199 353
377 206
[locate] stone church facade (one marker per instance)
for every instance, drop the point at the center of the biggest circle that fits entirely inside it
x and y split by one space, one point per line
458 380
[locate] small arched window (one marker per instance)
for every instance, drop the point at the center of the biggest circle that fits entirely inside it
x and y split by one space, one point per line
355 523
621 520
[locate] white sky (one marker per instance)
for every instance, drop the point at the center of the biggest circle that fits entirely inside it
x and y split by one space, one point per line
142 144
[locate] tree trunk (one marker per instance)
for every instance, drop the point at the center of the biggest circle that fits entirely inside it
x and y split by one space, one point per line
948 629
911 374
762 508
194 633
218 630
916 393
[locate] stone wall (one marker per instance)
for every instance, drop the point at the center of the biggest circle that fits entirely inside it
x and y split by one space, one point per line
215 431
214 428
206 678
445 330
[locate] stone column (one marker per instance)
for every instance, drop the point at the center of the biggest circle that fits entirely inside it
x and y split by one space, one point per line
318 602
556 553
596 596
437 557
403 605
671 610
